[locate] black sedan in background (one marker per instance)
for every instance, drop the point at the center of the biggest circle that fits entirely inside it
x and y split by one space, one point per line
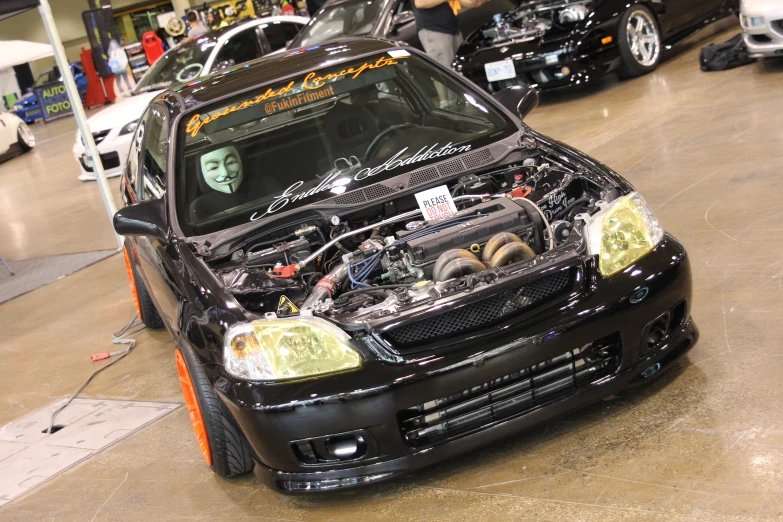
389 19
562 43
369 266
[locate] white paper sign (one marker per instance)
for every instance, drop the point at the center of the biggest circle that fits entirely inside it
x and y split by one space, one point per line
436 203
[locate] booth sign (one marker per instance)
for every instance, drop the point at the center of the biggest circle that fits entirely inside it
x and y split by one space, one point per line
53 101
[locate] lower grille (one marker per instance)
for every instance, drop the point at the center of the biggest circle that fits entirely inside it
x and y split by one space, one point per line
518 392
109 161
761 38
480 314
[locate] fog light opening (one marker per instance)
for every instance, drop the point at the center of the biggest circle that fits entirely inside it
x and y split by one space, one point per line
659 330
346 447
652 370
565 71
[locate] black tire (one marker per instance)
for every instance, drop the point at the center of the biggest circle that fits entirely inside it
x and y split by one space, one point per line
630 66
149 314
230 452
24 146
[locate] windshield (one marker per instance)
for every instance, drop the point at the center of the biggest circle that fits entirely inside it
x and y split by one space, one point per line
321 134
354 18
178 65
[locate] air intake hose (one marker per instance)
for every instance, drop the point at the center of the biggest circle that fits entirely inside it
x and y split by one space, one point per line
328 286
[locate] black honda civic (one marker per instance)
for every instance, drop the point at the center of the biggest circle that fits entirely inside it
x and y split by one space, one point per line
369 266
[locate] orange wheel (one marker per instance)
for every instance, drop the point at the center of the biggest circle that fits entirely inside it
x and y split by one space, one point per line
132 280
194 410
142 300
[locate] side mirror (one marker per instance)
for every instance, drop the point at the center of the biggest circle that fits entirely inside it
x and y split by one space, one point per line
146 218
519 98
401 19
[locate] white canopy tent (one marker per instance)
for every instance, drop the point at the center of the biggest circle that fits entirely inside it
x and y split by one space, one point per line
16 52
12 7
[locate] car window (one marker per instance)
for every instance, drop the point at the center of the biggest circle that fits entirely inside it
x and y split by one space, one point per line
134 154
276 36
47 77
359 122
351 18
156 148
290 30
178 65
444 98
240 48
403 6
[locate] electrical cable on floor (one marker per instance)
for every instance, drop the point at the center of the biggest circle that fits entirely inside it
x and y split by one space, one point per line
116 338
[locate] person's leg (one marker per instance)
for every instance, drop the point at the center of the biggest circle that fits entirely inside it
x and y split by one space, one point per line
457 41
127 80
439 46
120 77
118 90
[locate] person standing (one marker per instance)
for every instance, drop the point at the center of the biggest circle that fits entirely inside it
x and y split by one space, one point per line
196 27
215 20
436 23
123 74
118 63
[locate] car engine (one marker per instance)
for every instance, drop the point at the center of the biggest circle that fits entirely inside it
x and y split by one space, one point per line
373 261
533 20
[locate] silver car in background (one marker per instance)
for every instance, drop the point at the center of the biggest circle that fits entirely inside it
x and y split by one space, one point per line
762 23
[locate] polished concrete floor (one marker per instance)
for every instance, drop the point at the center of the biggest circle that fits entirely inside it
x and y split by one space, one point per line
704 442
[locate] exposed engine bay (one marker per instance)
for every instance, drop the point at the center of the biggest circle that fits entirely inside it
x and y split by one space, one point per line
371 261
533 20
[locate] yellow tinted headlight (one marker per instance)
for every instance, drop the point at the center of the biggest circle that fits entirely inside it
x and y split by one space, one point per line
623 233
281 349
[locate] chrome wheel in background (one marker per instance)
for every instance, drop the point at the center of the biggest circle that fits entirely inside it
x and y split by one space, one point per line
639 42
26 137
643 38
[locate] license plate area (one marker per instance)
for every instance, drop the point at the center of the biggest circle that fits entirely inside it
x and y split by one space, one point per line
502 70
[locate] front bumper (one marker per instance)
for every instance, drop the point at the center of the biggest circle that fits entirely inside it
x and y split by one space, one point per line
763 45
763 31
549 70
29 114
373 401
113 149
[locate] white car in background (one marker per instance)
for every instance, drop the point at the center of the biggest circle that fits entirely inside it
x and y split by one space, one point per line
113 127
15 135
762 23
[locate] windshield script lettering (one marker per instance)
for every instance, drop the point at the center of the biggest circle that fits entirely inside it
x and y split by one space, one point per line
311 82
337 179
